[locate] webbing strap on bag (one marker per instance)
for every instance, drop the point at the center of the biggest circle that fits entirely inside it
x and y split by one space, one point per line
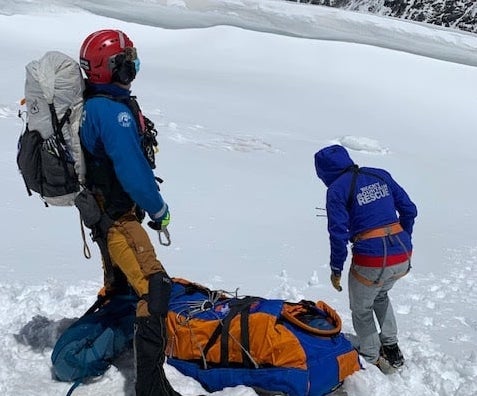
241 308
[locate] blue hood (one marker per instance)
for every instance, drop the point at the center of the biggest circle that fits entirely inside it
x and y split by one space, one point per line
330 162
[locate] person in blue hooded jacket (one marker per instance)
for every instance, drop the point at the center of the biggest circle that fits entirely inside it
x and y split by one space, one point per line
118 145
367 207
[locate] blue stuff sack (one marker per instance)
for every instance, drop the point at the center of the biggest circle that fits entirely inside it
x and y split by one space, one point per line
87 348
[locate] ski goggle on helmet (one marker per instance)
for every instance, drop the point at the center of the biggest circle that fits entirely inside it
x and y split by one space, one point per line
109 56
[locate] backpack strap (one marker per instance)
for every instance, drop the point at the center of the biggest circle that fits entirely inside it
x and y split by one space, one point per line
73 387
356 171
60 139
58 124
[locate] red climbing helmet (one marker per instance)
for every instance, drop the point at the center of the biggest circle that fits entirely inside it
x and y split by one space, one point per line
109 56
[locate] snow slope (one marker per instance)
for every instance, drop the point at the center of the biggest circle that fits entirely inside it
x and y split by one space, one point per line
240 113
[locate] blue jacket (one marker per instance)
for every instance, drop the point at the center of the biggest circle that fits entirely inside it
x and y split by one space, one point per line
377 200
109 131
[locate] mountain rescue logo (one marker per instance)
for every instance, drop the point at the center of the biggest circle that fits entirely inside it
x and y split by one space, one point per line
124 119
372 193
34 107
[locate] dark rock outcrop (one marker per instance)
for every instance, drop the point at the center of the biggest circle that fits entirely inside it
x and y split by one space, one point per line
455 14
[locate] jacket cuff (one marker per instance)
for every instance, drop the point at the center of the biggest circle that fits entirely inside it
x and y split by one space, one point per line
335 270
160 214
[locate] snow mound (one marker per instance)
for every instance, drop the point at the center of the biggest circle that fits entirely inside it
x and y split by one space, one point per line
363 144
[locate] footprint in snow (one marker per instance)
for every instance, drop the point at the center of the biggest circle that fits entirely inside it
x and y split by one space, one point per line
203 137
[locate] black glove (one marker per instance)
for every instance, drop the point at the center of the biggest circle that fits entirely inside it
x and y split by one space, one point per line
160 286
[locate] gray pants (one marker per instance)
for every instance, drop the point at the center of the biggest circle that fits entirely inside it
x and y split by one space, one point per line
366 300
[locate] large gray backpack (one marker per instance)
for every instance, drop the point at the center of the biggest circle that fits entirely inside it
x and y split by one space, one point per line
49 154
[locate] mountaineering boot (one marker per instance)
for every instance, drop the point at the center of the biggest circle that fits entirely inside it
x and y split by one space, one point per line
392 354
383 365
149 344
